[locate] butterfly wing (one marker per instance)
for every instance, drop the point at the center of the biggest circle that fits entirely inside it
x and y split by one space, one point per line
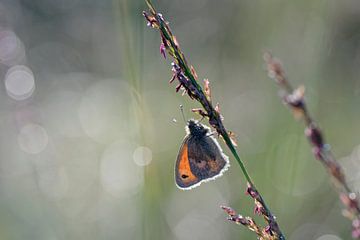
199 160
207 161
183 174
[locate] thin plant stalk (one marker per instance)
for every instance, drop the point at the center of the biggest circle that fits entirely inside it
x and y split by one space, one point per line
187 78
294 98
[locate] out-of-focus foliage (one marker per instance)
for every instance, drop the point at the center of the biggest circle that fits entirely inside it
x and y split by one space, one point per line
88 145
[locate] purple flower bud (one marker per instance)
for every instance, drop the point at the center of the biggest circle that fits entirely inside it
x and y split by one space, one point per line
234 217
251 191
151 20
296 98
163 50
258 209
350 201
314 135
228 210
356 228
178 87
268 229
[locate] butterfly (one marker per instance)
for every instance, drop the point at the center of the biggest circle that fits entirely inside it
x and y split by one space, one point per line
200 158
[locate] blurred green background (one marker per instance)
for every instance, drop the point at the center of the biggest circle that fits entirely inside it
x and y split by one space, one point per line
88 142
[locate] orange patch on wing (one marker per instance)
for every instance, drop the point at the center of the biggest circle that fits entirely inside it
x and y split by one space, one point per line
184 166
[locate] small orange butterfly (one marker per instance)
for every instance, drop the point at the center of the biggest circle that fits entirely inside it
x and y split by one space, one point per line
200 158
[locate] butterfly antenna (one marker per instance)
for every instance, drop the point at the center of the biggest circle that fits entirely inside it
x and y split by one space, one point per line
182 112
200 120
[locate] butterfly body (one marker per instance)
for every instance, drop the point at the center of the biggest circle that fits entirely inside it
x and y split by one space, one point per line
200 158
